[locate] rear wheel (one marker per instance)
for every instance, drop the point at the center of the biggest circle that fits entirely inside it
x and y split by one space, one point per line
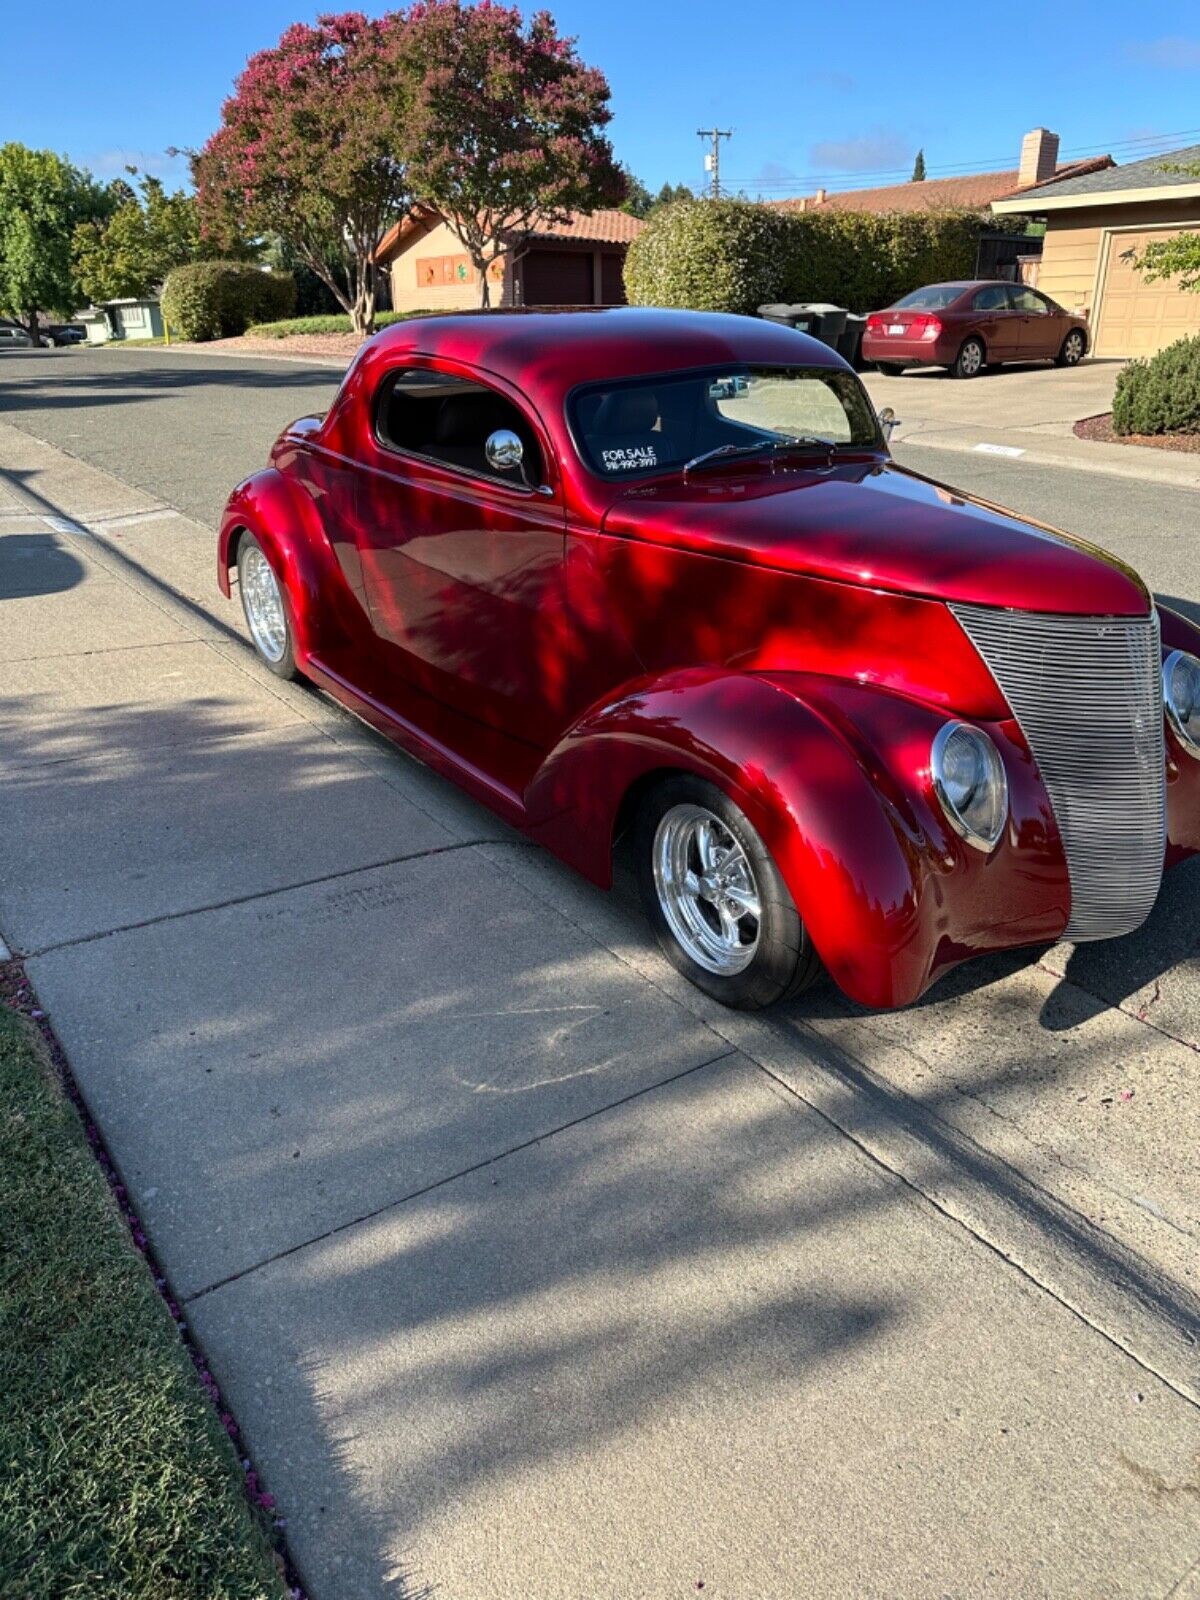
1073 348
969 361
889 369
265 606
716 900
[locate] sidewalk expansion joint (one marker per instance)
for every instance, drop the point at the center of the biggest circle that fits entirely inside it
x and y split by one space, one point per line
453 1177
260 894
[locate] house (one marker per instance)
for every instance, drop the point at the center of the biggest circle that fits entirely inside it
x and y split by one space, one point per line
976 192
1096 224
579 263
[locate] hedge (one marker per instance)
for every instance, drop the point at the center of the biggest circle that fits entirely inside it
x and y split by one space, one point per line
323 324
733 255
218 299
1162 394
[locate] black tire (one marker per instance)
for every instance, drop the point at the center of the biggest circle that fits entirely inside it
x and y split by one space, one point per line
1074 348
970 360
785 961
889 369
284 665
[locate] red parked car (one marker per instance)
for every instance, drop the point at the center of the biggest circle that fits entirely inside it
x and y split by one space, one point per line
969 326
630 574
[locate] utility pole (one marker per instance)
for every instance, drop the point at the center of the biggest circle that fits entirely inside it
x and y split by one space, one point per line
713 162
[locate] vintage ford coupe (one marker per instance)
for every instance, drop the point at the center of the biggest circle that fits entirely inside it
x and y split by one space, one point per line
654 577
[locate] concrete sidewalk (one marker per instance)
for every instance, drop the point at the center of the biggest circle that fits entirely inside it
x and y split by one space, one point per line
1024 413
527 1271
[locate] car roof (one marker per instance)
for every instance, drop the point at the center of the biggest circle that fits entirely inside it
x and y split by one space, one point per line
551 352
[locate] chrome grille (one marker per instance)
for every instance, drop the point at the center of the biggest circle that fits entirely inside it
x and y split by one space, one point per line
1087 692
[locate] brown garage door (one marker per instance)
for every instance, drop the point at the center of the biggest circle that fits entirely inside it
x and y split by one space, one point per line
1136 318
557 278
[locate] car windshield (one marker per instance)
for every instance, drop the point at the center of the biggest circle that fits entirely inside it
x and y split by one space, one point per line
661 424
935 298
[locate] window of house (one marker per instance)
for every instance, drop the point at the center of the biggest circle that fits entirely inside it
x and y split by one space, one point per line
449 419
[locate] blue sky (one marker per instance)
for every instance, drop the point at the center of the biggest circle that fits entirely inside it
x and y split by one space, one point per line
808 105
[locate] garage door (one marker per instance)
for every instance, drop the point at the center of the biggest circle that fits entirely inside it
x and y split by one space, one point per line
1136 318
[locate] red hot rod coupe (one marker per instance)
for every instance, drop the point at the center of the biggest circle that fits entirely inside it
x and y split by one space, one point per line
655 574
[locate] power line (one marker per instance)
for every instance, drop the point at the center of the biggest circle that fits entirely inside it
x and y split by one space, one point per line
713 162
1165 141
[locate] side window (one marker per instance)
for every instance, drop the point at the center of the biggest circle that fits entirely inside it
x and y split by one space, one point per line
993 298
449 419
1029 301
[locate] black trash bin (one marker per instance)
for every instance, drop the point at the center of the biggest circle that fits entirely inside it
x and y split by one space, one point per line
830 321
849 345
781 314
804 319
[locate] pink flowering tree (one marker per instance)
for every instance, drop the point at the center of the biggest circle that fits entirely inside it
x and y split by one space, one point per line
505 125
312 147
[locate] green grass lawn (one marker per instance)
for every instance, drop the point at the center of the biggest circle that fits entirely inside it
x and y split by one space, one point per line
117 1479
338 324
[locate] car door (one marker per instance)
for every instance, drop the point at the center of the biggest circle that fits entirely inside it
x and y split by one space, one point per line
462 561
1040 334
992 317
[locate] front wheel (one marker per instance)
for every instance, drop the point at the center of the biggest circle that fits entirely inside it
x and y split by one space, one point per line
265 608
715 898
1073 347
969 361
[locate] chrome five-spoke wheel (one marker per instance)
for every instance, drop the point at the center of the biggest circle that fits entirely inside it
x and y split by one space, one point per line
714 896
707 890
265 608
1072 349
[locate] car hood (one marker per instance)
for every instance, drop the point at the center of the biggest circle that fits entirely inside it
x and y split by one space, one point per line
881 525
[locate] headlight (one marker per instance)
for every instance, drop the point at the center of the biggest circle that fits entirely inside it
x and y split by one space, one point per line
1181 698
970 781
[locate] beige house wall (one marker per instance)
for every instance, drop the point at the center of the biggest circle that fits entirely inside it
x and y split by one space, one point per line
411 293
1083 253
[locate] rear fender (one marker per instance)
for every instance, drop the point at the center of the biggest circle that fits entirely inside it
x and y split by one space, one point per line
287 526
835 777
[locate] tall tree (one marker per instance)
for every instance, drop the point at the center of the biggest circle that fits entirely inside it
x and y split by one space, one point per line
130 253
919 168
670 192
638 201
507 126
42 198
311 148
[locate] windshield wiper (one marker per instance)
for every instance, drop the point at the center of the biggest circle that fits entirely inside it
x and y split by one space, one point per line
803 441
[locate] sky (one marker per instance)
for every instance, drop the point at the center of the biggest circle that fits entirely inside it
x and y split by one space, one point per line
833 97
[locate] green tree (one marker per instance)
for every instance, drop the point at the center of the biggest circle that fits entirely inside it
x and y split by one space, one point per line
671 192
638 201
507 126
128 254
1178 255
919 168
42 200
311 148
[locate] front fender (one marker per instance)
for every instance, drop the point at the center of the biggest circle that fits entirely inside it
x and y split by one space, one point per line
286 524
835 777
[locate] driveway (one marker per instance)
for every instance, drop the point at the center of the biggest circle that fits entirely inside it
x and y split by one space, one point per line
528 1271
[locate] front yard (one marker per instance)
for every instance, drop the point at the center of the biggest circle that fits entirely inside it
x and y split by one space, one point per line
117 1479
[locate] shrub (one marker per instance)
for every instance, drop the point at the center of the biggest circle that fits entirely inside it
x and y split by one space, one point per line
1161 395
734 255
330 324
708 255
217 299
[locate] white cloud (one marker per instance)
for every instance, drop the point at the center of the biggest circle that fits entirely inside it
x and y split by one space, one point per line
881 149
1174 53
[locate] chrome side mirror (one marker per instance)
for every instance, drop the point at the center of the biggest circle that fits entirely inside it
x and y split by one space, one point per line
888 421
503 450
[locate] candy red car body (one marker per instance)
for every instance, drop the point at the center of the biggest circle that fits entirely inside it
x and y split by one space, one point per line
791 623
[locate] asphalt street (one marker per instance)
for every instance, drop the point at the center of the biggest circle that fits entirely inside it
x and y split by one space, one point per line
185 428
526 1269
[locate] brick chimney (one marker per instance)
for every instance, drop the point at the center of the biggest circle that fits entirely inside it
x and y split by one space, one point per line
1039 157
